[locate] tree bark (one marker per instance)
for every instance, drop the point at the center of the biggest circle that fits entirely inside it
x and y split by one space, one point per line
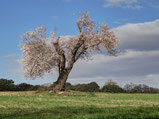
59 85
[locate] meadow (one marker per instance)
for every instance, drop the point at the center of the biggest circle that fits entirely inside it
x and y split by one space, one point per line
78 105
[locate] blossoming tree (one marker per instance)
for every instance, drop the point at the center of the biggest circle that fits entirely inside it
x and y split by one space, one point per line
42 54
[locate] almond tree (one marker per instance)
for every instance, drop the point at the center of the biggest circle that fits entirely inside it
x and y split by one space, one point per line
41 54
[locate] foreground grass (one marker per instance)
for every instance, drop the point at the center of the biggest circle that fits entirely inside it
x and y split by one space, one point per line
78 105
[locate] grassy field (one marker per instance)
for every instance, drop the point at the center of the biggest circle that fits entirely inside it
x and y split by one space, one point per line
78 105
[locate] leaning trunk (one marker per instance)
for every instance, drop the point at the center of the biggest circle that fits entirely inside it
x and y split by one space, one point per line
59 85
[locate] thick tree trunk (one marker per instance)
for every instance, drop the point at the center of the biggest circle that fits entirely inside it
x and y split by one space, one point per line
59 85
64 71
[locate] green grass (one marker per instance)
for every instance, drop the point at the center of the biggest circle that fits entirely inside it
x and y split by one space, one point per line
78 105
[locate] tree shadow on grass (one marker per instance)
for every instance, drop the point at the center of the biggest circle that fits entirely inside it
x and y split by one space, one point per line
89 112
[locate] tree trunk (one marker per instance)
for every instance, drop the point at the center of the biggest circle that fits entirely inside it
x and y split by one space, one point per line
59 85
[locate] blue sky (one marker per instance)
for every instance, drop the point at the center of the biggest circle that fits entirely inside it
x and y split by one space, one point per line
125 17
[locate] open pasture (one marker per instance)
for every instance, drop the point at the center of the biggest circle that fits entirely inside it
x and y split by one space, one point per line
78 105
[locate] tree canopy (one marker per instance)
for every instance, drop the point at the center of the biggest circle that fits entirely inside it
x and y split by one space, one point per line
41 54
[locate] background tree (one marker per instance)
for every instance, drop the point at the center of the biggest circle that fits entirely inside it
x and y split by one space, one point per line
90 87
93 87
140 88
42 54
130 87
110 82
112 87
25 87
7 85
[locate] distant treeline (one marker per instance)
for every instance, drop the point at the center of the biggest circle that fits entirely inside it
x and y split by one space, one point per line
110 86
8 85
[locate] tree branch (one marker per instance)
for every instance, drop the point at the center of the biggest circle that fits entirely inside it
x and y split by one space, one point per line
78 56
74 52
62 59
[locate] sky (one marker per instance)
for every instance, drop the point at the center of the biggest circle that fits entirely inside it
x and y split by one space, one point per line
135 23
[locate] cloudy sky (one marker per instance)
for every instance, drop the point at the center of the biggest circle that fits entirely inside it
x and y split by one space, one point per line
135 23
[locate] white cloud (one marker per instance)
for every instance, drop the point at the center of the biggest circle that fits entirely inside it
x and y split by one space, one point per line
139 36
129 63
131 4
15 71
13 55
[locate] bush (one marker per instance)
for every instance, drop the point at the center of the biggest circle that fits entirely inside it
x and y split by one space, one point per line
112 87
90 87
